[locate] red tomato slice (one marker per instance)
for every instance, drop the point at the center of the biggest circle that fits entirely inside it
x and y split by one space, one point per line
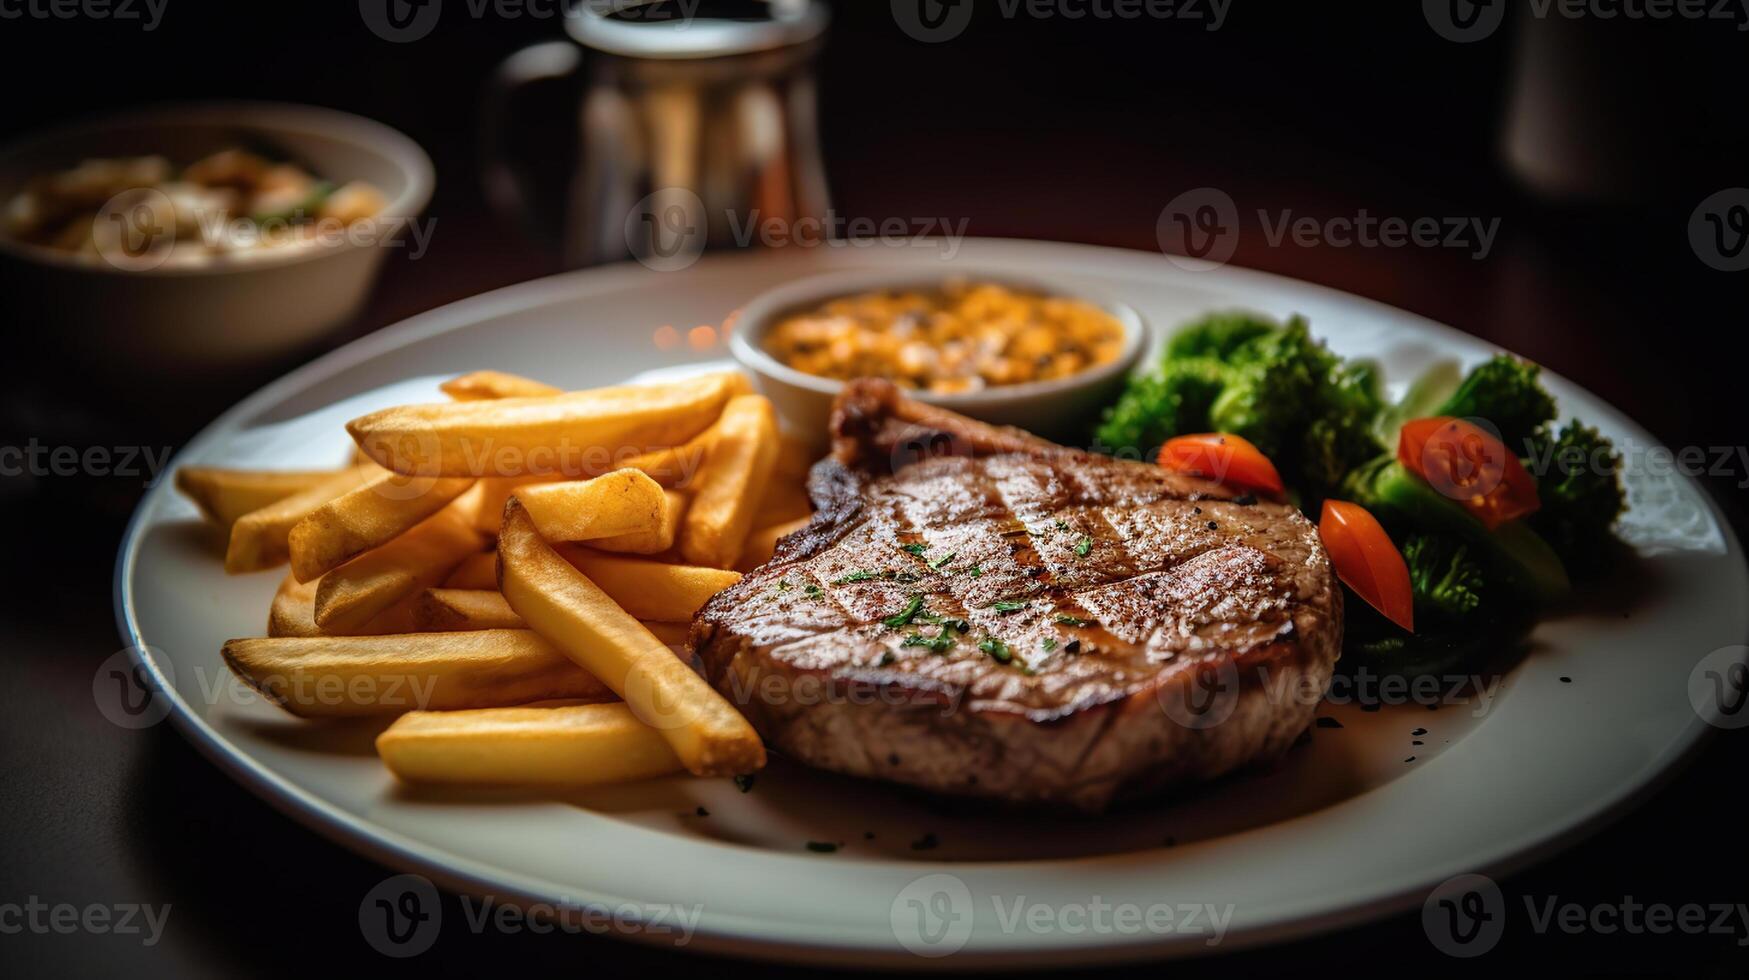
1224 458
1471 466
1367 561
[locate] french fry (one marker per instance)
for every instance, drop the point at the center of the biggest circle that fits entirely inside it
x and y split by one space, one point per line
575 615
225 495
617 503
673 634
650 589
653 540
331 676
259 539
495 490
293 613
483 385
763 542
727 488
475 572
574 745
371 515
455 610
558 434
674 466
348 596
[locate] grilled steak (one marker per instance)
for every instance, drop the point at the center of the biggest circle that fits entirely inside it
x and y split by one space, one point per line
976 611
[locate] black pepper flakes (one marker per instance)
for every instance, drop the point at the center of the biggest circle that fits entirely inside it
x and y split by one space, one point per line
1213 526
928 842
1418 732
701 811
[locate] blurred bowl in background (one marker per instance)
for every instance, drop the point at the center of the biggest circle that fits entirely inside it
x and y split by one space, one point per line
125 312
1062 408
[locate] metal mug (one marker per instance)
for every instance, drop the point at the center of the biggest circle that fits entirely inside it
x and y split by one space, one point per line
673 132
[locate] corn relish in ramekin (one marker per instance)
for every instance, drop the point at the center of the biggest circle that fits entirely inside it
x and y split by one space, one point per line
959 337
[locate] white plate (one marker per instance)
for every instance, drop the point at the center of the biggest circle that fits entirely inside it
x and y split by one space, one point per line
1344 829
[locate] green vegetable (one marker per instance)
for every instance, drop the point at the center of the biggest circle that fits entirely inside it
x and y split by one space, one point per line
939 643
1505 392
903 616
1083 546
1526 564
1448 584
292 207
1008 606
916 547
1579 483
997 650
1423 400
1306 409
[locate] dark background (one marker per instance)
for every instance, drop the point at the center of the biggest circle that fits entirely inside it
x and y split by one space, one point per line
1076 131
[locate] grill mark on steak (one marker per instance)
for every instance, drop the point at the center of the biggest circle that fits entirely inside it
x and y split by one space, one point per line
1078 714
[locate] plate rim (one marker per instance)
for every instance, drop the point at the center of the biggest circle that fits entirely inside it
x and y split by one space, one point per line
749 937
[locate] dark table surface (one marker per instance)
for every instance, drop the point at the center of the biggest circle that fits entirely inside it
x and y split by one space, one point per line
1051 130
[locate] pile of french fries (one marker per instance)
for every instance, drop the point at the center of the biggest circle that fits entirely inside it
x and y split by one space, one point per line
509 573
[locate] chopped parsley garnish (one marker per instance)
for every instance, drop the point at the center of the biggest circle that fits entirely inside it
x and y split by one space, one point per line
1068 620
943 560
784 585
947 622
860 575
997 650
916 547
744 783
1008 606
822 847
812 591
939 643
903 617
975 571
1083 546
1062 525
1050 643
887 655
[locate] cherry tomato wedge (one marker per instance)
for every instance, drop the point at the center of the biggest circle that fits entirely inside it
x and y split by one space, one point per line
1470 465
1224 458
1367 561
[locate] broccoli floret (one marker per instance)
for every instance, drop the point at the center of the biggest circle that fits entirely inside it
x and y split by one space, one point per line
1218 335
1446 581
1506 393
1276 390
1173 401
1579 484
